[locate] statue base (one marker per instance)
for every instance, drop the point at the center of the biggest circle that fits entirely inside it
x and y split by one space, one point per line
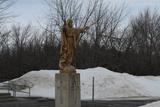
67 90
68 69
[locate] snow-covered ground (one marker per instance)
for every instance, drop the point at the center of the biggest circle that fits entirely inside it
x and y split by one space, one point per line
108 84
154 104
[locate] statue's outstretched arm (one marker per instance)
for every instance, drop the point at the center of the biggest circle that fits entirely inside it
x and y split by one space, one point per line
83 30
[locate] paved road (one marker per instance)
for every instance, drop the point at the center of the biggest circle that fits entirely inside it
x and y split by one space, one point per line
39 102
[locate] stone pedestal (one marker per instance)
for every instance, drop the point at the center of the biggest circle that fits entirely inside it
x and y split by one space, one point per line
67 90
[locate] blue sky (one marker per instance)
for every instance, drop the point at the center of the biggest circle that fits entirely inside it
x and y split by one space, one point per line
32 11
29 11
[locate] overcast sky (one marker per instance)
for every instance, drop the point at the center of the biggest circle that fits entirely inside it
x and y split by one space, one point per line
31 11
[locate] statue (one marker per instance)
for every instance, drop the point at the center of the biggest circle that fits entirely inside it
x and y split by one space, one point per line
69 38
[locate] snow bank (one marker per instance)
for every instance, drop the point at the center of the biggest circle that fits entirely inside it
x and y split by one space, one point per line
154 104
108 84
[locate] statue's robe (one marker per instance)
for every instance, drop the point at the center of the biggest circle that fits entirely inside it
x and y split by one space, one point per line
69 38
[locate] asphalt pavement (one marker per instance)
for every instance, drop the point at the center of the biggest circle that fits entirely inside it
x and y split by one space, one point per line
43 102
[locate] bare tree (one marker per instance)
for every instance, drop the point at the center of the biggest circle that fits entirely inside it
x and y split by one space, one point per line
4 16
4 5
108 20
143 40
20 36
60 10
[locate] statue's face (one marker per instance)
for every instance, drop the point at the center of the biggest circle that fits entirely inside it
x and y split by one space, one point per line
70 23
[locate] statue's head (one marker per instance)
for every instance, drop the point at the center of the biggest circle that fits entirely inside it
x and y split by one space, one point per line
70 22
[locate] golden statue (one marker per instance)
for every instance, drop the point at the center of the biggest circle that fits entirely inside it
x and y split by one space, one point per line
69 38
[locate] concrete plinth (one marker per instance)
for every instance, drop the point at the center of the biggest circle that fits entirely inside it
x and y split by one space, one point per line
67 90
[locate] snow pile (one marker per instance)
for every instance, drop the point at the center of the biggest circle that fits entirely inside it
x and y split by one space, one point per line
154 104
108 84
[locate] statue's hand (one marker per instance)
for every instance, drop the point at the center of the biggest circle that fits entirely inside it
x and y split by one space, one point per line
86 28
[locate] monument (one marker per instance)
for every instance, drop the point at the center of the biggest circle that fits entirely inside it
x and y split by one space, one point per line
67 82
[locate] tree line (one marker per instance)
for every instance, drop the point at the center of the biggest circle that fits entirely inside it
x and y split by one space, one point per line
133 49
